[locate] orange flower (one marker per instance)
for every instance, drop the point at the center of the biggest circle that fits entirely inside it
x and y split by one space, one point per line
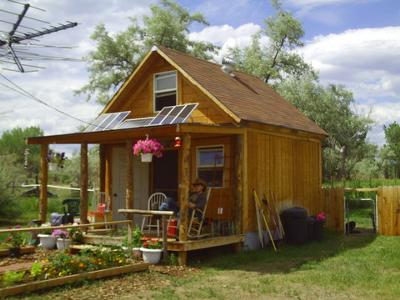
81 265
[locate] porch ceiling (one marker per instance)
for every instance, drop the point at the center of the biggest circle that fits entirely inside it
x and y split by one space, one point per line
115 136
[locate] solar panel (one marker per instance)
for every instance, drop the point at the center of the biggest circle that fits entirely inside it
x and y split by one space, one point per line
95 123
161 115
173 114
134 123
107 121
185 113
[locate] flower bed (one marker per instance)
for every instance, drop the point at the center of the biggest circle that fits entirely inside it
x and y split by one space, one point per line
90 263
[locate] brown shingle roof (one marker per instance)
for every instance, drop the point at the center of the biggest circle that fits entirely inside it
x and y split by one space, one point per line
246 96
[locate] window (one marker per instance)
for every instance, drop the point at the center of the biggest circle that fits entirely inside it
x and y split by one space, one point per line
210 165
164 90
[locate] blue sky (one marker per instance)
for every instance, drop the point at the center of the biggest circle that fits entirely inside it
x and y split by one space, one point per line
350 42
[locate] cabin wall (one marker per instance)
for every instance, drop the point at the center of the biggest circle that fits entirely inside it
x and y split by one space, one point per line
288 166
138 97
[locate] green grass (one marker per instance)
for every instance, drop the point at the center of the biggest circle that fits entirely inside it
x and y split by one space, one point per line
361 216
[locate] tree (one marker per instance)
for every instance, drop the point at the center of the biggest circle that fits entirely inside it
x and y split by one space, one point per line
275 61
118 55
392 136
13 142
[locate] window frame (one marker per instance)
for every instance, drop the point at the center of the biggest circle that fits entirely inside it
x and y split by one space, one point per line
155 92
222 166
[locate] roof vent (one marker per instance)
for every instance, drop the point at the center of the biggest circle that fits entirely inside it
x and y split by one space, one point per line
228 66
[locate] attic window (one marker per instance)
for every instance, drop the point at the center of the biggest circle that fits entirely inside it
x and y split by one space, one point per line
164 90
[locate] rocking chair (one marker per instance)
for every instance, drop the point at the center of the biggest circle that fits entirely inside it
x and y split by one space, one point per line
197 219
154 202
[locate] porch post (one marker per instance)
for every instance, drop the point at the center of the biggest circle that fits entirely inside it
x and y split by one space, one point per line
102 162
238 181
129 178
184 162
84 184
44 149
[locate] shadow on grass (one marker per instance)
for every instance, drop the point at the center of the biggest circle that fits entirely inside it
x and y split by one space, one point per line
289 258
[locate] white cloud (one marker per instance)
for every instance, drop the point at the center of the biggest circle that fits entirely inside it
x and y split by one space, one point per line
310 4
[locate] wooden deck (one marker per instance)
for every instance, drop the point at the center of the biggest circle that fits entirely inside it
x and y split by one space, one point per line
204 243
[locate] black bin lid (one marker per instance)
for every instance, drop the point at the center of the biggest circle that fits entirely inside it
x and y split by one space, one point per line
295 213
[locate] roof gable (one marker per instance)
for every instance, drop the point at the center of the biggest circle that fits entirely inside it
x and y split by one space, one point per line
242 96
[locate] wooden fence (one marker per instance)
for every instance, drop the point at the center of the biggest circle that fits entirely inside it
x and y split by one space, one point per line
389 210
333 199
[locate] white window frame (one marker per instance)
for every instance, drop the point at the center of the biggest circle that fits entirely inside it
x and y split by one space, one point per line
198 150
166 90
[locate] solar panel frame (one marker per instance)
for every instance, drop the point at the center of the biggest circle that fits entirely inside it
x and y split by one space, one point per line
161 115
119 118
172 114
190 108
103 121
95 123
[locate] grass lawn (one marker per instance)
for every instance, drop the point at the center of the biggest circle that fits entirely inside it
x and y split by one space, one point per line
340 267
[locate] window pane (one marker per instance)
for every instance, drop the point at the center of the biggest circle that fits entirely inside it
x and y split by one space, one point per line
211 157
165 81
214 177
165 99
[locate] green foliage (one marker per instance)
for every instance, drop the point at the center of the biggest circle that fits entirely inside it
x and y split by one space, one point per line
136 238
275 61
16 240
173 259
118 55
391 155
36 270
76 235
12 277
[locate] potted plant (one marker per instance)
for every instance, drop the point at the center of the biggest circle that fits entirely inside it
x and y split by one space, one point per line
151 250
47 241
62 239
147 148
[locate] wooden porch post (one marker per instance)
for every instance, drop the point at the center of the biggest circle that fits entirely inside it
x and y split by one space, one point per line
84 184
184 163
44 149
238 181
129 178
102 175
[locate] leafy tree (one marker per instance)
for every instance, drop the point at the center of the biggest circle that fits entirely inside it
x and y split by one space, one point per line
275 61
13 142
118 55
392 136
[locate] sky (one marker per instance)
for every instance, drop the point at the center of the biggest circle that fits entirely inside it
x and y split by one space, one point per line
351 42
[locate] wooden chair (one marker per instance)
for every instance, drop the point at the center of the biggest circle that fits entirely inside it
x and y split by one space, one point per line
196 223
154 202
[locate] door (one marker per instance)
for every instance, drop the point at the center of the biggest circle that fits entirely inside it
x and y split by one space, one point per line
165 174
140 183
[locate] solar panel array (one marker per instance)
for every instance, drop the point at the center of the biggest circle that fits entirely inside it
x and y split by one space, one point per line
168 115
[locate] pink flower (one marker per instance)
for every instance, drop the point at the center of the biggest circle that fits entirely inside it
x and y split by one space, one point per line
321 216
148 146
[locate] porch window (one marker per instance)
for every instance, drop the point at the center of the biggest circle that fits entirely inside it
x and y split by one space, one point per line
210 165
164 90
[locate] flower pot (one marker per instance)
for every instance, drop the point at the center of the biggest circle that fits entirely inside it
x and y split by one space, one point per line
63 244
136 252
151 256
146 157
47 241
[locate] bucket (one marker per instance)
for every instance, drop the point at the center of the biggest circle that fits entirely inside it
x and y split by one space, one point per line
171 228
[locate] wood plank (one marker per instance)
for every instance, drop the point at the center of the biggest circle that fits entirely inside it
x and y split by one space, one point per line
145 212
44 284
44 167
238 181
84 184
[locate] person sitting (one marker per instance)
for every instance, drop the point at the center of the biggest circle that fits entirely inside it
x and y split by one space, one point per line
198 197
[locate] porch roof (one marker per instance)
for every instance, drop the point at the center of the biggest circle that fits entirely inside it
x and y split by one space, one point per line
118 135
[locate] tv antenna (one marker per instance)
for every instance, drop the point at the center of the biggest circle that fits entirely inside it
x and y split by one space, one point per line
17 42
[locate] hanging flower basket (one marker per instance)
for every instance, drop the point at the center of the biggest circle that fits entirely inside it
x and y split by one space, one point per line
147 148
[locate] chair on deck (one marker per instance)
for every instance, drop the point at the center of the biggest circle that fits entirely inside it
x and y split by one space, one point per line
154 202
72 206
197 219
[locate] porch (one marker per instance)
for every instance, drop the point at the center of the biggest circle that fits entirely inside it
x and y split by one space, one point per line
128 183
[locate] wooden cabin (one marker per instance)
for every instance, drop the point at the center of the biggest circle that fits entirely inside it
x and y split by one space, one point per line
263 142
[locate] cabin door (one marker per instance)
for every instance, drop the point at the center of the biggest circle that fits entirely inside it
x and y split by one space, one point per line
140 183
